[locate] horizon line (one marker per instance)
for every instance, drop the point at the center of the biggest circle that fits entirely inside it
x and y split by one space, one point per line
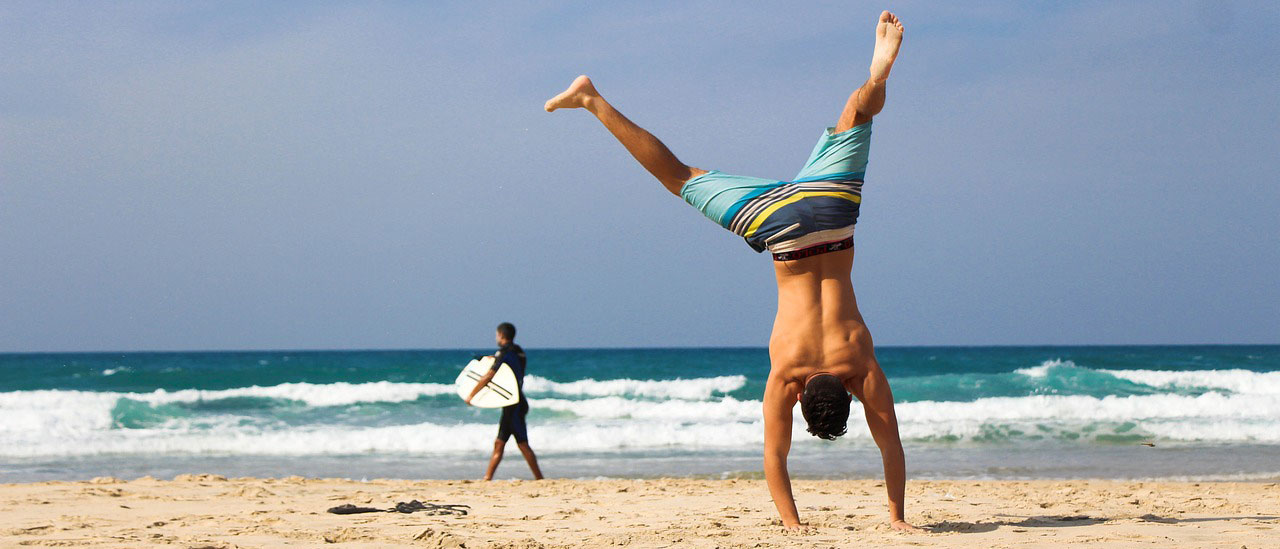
619 348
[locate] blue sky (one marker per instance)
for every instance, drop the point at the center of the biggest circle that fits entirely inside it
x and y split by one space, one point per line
356 175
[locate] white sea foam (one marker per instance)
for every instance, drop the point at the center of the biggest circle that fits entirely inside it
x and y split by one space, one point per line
342 393
1207 417
1236 381
1109 408
58 414
1042 369
726 409
590 415
312 394
687 389
616 423
426 439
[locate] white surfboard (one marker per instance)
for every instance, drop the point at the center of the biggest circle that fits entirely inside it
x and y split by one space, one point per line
501 390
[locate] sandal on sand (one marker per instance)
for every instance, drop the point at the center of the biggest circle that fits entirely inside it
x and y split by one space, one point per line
431 508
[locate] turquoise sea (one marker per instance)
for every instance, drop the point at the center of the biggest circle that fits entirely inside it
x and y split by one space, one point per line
1193 412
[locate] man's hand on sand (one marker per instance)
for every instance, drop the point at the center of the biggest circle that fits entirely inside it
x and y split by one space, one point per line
903 526
799 529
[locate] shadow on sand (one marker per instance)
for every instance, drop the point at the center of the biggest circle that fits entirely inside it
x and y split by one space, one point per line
1026 522
1063 521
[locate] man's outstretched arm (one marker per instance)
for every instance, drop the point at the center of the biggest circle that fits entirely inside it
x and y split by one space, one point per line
877 403
777 444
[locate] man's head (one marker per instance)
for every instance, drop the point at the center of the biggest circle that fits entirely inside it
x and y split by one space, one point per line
506 333
825 405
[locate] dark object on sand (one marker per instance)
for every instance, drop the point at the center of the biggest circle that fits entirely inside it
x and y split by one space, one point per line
431 508
349 509
405 507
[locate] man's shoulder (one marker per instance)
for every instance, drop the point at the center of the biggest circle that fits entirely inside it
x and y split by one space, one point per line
782 381
513 351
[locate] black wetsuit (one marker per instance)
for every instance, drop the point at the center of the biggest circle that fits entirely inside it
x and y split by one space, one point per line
513 416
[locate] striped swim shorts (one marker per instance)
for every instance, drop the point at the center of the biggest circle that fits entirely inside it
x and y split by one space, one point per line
817 208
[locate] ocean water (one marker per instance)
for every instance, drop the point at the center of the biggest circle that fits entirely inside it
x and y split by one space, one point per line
1188 412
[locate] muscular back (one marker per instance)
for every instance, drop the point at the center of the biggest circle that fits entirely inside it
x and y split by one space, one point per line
818 327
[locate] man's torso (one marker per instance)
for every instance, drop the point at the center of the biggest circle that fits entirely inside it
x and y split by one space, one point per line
513 355
818 326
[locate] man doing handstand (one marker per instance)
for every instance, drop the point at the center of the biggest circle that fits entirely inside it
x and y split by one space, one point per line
820 349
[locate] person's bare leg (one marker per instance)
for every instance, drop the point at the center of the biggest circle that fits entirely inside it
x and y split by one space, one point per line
642 145
531 459
498 447
868 100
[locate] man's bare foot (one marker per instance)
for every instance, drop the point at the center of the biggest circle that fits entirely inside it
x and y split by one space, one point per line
574 97
888 39
902 525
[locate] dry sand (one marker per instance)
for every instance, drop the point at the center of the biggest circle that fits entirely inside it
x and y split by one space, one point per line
209 511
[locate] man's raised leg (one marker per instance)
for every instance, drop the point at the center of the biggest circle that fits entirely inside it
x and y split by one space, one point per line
642 145
866 101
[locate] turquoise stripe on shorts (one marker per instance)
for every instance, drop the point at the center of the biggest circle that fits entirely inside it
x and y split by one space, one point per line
719 195
836 157
839 156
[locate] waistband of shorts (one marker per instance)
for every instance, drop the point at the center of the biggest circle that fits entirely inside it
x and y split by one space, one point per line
814 250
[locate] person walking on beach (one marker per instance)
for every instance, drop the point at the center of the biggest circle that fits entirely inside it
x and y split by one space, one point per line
512 422
820 350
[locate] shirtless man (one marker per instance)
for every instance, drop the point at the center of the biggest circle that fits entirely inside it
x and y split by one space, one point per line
820 349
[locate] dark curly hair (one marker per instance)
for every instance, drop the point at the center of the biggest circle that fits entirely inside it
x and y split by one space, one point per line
825 405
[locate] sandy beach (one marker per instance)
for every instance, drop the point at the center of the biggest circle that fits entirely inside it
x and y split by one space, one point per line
209 511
